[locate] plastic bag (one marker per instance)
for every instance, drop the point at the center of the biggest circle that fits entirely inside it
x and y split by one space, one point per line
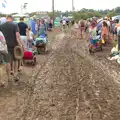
103 41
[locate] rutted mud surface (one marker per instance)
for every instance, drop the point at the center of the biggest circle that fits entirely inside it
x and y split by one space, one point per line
66 87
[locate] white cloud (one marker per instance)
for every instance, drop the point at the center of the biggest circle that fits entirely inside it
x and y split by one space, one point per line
46 5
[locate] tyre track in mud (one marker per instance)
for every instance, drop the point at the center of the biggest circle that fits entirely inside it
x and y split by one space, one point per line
19 101
108 67
69 87
52 46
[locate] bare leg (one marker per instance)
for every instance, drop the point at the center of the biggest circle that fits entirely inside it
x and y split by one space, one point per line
16 69
11 66
8 70
19 65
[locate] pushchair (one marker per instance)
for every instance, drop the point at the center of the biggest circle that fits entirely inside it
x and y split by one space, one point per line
95 44
30 55
41 43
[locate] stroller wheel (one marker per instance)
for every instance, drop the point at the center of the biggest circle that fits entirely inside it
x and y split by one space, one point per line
38 50
44 48
34 61
91 50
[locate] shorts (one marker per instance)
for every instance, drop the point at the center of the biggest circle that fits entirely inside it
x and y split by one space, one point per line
11 54
114 32
82 29
5 57
24 39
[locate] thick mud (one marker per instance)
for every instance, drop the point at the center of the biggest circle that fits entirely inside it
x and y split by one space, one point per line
66 85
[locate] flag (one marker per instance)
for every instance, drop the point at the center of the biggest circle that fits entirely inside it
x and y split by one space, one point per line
3 5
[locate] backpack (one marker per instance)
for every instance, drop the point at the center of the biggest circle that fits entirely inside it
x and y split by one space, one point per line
3 48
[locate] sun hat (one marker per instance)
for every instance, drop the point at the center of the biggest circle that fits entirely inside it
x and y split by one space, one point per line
18 52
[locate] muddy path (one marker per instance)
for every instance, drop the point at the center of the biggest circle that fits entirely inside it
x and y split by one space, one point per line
66 86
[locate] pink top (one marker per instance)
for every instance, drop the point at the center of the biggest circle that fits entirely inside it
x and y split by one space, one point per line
2 37
104 31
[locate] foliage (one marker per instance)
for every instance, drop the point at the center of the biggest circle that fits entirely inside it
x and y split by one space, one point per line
85 15
81 14
111 14
32 14
2 15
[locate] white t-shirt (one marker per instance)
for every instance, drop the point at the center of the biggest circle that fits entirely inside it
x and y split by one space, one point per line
64 22
108 23
31 35
76 25
93 32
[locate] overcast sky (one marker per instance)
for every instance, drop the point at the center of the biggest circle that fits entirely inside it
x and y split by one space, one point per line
63 5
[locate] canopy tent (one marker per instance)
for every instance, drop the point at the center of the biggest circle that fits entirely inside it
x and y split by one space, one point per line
116 17
16 18
20 15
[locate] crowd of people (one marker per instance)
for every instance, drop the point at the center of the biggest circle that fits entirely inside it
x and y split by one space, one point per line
97 32
17 34
108 29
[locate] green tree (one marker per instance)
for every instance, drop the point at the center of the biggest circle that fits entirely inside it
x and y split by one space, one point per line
32 14
117 10
111 14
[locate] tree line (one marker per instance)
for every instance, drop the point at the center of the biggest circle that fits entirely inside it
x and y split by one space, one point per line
81 14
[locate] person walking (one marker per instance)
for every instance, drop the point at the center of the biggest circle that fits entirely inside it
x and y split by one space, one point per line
117 29
4 57
23 27
82 28
12 37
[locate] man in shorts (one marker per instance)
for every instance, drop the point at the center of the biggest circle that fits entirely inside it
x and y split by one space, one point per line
12 37
23 29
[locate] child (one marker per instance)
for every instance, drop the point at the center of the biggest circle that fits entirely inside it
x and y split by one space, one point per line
105 32
30 38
